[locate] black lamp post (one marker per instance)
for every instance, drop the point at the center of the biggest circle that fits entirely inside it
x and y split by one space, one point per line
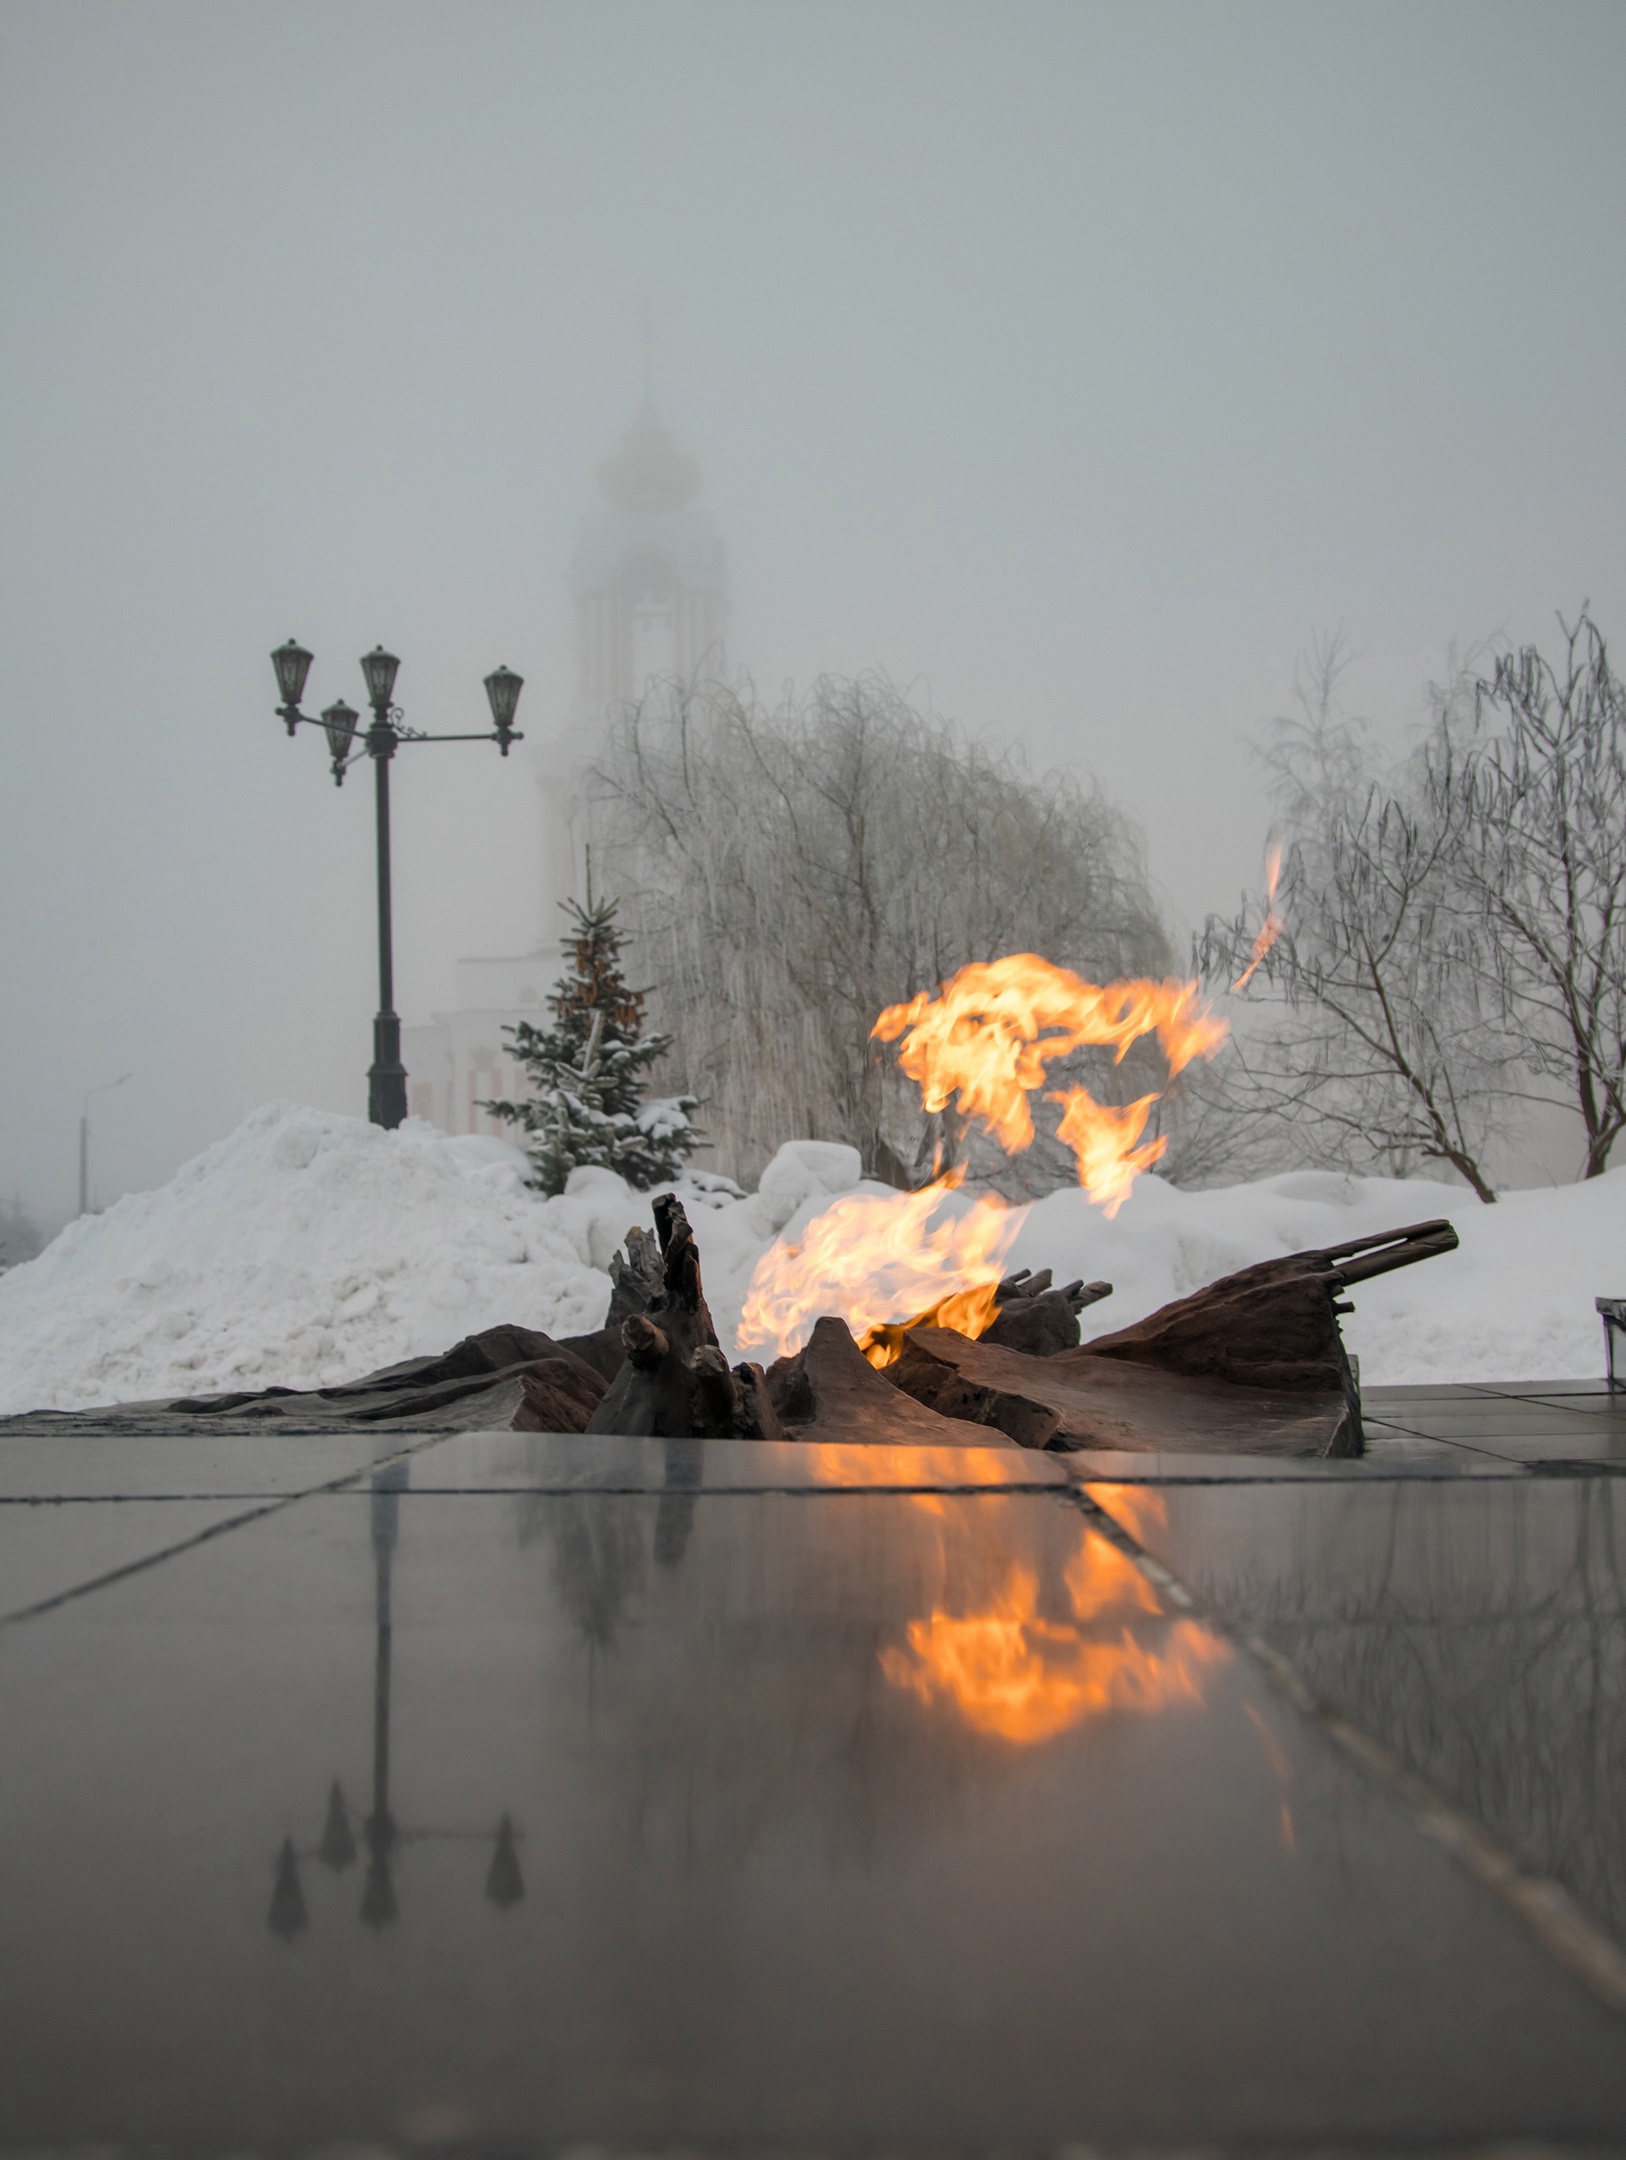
386 1080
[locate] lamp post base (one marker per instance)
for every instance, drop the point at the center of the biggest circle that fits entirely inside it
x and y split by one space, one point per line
386 1079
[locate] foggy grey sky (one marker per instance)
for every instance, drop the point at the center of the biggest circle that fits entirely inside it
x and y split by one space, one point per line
1075 363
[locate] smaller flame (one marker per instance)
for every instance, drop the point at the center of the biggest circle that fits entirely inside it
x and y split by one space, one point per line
870 1257
989 1034
969 1312
1271 929
1104 1141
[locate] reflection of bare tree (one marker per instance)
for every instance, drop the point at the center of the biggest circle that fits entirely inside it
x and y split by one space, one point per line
674 1524
600 1553
598 1544
1479 1631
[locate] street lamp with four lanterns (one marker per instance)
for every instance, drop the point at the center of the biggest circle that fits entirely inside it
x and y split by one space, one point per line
386 1079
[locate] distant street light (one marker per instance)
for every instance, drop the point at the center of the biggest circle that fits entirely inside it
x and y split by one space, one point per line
84 1138
386 1079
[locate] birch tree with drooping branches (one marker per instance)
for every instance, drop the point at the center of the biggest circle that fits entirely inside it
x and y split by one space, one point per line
790 871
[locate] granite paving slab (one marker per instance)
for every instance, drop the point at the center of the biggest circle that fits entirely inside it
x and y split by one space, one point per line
52 1549
69 1463
559 1462
1477 1628
1609 1404
1398 1455
793 1821
1430 1391
1501 1417
1574 1442
1596 1387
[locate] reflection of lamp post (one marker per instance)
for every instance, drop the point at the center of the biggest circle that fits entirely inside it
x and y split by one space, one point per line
386 1081
84 1138
378 1906
381 1834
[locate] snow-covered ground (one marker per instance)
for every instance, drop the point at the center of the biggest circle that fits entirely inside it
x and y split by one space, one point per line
309 1248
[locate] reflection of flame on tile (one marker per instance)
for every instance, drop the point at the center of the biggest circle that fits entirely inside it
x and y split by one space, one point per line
1280 1769
839 1462
1135 1508
1010 1671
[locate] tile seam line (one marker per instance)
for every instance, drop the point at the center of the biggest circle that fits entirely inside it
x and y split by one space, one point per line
1481 1453
1374 1472
1515 1474
342 1485
154 1499
59 1598
1543 1907
711 1492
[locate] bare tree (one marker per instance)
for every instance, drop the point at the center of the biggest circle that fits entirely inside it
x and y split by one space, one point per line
1373 1039
789 872
1541 808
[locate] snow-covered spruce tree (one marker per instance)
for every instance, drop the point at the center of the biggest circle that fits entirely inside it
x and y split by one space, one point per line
589 1070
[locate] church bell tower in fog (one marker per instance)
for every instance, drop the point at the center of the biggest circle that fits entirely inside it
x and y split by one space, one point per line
649 575
650 586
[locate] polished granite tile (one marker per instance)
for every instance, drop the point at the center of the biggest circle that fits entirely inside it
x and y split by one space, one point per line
1603 1452
914 1826
1397 1455
68 1464
1597 1388
1514 1424
1425 1391
1593 1402
1496 1416
1576 1441
1397 1446
1477 1628
51 1548
562 1462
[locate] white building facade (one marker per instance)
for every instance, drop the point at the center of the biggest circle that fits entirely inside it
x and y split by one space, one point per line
461 1058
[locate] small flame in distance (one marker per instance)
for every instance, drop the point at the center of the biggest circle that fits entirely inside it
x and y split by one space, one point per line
1103 1140
1271 928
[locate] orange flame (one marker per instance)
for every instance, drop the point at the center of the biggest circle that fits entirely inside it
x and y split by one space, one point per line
995 1026
877 1465
1280 1769
1137 1508
1103 1139
969 1312
1011 1672
870 1256
1271 928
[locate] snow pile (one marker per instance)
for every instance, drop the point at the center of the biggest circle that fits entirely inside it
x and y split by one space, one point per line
308 1249
1515 1303
303 1250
